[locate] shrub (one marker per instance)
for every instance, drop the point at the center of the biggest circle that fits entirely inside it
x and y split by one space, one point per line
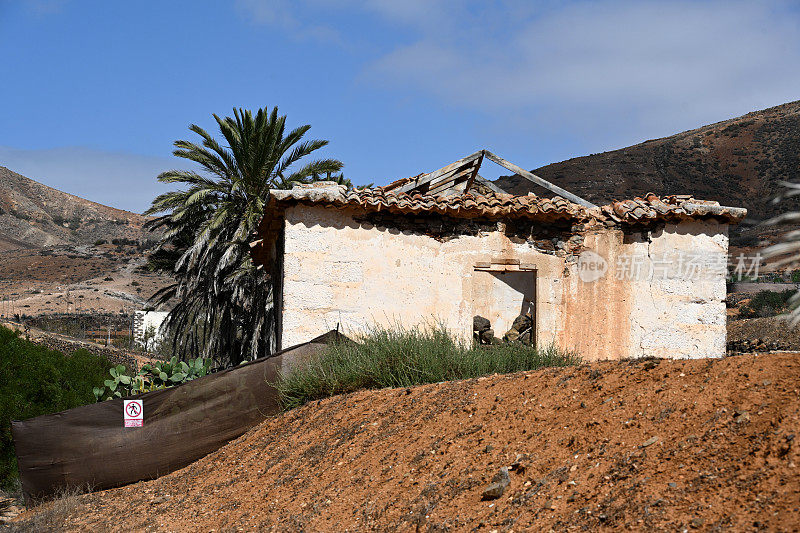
20 215
402 358
54 514
37 381
767 303
160 375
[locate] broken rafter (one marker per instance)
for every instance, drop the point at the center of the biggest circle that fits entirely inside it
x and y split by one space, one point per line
461 175
537 180
474 172
447 180
451 168
490 184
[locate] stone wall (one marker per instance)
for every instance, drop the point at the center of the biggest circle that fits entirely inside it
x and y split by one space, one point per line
342 270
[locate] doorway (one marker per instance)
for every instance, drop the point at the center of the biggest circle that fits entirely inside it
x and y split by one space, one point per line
502 296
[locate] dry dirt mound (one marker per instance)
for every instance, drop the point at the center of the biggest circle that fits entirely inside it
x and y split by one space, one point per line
653 445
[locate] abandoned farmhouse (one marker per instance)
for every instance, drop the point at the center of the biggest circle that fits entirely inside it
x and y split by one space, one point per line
638 277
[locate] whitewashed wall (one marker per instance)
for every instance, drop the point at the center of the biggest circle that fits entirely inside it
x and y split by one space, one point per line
338 271
680 312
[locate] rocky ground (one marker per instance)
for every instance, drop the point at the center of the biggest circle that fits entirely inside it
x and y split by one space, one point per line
75 279
760 334
655 445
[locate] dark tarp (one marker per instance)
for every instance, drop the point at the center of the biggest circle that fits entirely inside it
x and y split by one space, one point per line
89 446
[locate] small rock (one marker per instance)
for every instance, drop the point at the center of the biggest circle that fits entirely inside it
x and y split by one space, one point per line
502 476
493 491
549 505
518 466
480 324
649 442
672 485
500 481
742 417
696 522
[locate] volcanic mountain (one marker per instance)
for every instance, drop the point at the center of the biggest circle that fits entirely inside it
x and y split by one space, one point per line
33 215
738 162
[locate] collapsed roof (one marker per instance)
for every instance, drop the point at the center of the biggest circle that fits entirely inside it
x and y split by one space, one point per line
458 190
459 177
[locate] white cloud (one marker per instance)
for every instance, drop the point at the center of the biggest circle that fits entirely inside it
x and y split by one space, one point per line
284 14
611 72
636 66
121 180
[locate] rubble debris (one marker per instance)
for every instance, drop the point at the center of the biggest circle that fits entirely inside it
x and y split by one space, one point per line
482 330
521 330
755 345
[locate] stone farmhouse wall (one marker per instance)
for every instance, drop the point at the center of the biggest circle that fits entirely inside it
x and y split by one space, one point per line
342 271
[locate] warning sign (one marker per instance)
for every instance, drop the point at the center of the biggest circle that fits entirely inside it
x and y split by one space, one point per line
133 412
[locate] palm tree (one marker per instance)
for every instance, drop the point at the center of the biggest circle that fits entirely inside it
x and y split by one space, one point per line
224 303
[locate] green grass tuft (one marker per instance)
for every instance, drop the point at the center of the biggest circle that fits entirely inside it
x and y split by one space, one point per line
400 357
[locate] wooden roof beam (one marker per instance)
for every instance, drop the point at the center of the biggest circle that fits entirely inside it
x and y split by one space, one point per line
427 178
537 180
490 184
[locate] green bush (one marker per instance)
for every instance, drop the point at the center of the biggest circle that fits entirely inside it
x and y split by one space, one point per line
767 303
402 358
159 375
36 381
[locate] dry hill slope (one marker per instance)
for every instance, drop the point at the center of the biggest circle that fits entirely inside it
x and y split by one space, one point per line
644 445
737 162
35 215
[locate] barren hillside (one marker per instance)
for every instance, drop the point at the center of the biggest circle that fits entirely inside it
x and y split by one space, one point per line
645 445
35 215
737 162
62 254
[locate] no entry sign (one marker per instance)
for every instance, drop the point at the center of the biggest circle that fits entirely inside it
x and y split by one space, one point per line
133 412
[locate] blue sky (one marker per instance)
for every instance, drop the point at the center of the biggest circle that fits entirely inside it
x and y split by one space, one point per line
94 93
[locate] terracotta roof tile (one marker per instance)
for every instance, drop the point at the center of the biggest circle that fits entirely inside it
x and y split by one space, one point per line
459 206
649 209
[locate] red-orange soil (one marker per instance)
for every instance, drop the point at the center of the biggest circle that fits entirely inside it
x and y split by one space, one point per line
656 445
